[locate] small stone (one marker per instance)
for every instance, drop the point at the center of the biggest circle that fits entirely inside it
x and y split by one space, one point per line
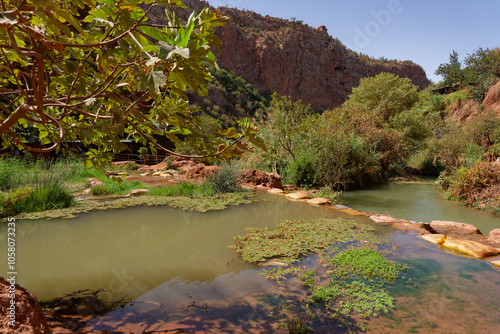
94 182
138 192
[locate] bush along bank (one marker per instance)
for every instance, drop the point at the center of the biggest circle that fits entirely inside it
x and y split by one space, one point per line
385 129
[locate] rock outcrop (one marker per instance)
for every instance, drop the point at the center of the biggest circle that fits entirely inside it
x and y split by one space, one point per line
291 58
29 317
492 100
294 59
253 178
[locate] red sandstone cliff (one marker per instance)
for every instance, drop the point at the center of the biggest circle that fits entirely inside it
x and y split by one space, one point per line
294 59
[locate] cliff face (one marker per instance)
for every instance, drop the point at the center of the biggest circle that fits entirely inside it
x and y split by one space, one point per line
294 59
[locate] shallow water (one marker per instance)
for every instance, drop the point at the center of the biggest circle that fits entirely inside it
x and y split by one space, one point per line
418 202
166 259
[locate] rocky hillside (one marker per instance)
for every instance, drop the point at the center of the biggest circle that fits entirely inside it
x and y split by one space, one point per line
295 59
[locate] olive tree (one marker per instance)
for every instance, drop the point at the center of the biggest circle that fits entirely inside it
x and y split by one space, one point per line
96 71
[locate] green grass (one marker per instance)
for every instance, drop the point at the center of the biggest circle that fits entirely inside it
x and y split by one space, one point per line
184 188
45 192
113 187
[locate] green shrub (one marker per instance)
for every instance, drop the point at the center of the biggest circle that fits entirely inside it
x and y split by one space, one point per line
225 180
302 172
330 193
43 196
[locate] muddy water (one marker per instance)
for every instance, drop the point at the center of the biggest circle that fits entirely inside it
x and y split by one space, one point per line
165 260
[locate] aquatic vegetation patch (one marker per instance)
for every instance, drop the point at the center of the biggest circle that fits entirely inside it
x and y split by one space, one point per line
293 239
348 283
367 263
198 203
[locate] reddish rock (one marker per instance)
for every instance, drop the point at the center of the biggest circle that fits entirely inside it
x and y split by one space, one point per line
122 164
492 100
494 236
294 59
387 219
276 191
94 182
202 172
29 317
256 178
447 227
139 192
421 228
298 196
319 201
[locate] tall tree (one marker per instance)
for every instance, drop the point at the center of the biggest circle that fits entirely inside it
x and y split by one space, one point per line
451 72
95 71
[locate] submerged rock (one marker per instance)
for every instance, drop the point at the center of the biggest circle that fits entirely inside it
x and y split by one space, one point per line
353 212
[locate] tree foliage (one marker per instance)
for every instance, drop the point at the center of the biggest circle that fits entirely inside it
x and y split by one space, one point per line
96 71
481 71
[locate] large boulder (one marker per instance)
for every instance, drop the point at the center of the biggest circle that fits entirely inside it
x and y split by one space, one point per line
254 178
319 201
494 236
185 164
29 317
202 172
449 227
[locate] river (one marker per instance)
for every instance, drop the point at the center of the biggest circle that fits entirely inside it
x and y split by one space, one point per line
165 259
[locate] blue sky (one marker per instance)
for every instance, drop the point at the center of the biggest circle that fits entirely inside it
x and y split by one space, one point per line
424 31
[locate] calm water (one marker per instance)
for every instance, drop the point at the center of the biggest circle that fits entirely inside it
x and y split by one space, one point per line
418 202
164 259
